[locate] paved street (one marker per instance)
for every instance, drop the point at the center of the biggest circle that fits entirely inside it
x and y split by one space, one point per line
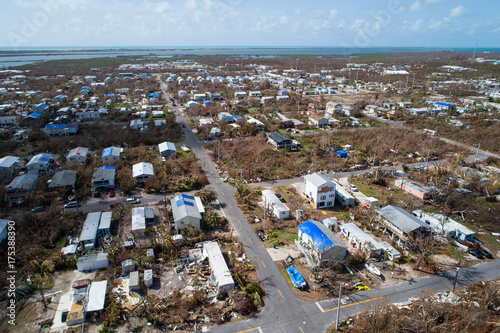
283 311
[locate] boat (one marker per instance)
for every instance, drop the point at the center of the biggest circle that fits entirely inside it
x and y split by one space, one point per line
349 269
372 269
297 279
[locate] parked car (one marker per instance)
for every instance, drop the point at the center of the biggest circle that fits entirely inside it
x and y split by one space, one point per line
475 254
38 209
485 253
279 196
72 204
111 193
133 201
353 187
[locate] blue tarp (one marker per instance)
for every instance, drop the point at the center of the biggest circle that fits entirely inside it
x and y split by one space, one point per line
108 168
154 95
208 102
297 279
318 237
342 153
34 115
107 152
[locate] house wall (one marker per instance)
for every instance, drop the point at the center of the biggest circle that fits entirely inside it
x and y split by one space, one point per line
320 195
184 223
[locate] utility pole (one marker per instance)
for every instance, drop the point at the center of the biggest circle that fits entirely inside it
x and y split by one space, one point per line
265 204
338 307
413 83
456 276
43 297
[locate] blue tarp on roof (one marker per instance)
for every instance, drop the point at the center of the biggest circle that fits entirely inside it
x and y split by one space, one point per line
443 104
41 106
207 102
85 87
154 95
237 117
54 126
35 115
183 200
318 237
110 95
107 152
108 168
60 96
44 159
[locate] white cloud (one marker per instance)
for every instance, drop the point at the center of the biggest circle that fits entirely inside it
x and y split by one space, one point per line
457 11
190 4
284 19
416 6
333 13
417 25
162 7
341 24
434 1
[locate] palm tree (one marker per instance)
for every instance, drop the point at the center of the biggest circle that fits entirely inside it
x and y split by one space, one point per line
208 196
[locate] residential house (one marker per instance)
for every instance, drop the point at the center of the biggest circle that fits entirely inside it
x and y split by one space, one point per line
137 124
240 95
141 217
319 190
271 201
20 187
104 178
349 111
279 141
63 180
88 116
61 129
256 94
220 275
259 125
88 235
112 155
418 111
41 108
8 120
445 226
207 103
412 188
359 239
143 172
392 253
182 93
167 149
40 164
226 116
333 108
319 244
317 120
9 166
398 222
92 262
187 211
344 197
105 223
78 155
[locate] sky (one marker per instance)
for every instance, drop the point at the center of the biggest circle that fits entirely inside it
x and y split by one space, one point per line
322 23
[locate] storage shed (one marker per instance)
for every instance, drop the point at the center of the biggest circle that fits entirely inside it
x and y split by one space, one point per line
148 277
134 281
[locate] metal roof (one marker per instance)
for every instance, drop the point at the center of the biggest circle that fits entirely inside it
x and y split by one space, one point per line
79 151
139 216
112 151
97 296
401 219
218 265
319 180
89 231
63 178
105 222
8 161
361 236
185 205
164 146
43 157
142 169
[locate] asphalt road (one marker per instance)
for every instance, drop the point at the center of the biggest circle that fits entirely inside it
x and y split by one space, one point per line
283 310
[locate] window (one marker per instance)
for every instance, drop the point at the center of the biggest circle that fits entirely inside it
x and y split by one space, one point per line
323 197
331 189
321 204
329 203
331 195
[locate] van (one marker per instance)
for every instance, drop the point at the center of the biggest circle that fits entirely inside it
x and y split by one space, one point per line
132 201
72 204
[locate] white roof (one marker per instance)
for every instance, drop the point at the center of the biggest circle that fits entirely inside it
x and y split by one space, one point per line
218 265
142 169
318 180
105 220
164 146
139 216
436 222
97 296
361 236
8 161
273 201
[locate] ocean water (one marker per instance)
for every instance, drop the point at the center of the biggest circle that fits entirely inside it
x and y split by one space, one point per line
10 57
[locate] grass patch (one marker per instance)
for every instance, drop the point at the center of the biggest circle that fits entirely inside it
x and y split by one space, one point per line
490 240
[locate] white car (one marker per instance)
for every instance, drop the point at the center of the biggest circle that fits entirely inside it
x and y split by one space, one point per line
186 149
353 187
133 201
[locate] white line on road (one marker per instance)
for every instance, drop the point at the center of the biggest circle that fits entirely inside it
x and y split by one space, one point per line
319 306
260 330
